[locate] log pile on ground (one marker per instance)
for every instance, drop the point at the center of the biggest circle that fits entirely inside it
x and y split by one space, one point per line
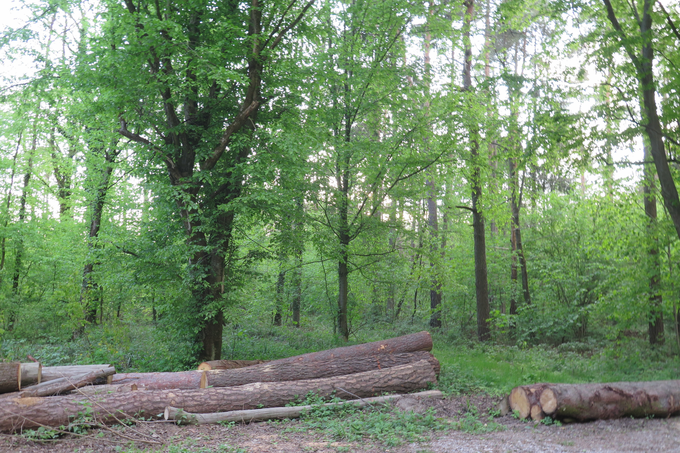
583 402
397 365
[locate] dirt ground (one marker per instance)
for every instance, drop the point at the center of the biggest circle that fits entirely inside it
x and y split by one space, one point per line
623 435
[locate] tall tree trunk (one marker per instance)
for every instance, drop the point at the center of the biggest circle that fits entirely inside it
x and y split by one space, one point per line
6 214
99 179
280 292
656 326
18 258
432 192
481 278
298 251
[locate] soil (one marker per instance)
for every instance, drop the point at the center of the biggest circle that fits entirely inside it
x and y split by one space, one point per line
623 435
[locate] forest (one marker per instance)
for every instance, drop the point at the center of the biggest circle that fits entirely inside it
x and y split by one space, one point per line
181 178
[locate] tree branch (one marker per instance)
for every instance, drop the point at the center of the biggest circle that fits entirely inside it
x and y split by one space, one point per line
234 127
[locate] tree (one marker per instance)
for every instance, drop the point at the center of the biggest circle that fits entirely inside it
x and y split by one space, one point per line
187 81
642 34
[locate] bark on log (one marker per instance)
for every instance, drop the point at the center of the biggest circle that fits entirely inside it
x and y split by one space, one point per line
163 381
50 373
246 416
319 364
92 390
614 400
65 384
228 364
22 413
10 377
31 373
284 370
421 341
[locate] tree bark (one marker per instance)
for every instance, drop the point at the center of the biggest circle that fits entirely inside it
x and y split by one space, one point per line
10 377
285 370
162 381
270 413
50 373
24 413
228 364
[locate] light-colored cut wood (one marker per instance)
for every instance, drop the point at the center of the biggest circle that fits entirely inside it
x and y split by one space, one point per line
31 373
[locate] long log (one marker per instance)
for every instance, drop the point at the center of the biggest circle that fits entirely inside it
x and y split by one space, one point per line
228 364
421 341
331 362
285 370
614 400
270 413
10 376
65 384
23 413
50 373
163 381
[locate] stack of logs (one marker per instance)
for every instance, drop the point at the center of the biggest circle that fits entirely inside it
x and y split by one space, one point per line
397 365
582 402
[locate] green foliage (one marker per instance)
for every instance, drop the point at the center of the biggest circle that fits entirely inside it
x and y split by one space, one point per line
379 423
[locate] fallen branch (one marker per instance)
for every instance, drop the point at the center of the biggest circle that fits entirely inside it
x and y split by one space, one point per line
246 416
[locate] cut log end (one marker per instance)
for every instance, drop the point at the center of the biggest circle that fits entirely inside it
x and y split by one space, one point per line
537 413
548 401
519 401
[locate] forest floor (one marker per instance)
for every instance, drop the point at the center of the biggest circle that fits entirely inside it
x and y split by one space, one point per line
475 431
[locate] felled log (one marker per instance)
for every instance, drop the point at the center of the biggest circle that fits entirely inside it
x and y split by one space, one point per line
421 341
163 381
228 364
65 384
270 413
50 373
614 400
10 376
331 362
285 370
23 413
15 375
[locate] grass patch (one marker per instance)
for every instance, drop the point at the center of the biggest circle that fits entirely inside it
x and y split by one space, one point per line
496 369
